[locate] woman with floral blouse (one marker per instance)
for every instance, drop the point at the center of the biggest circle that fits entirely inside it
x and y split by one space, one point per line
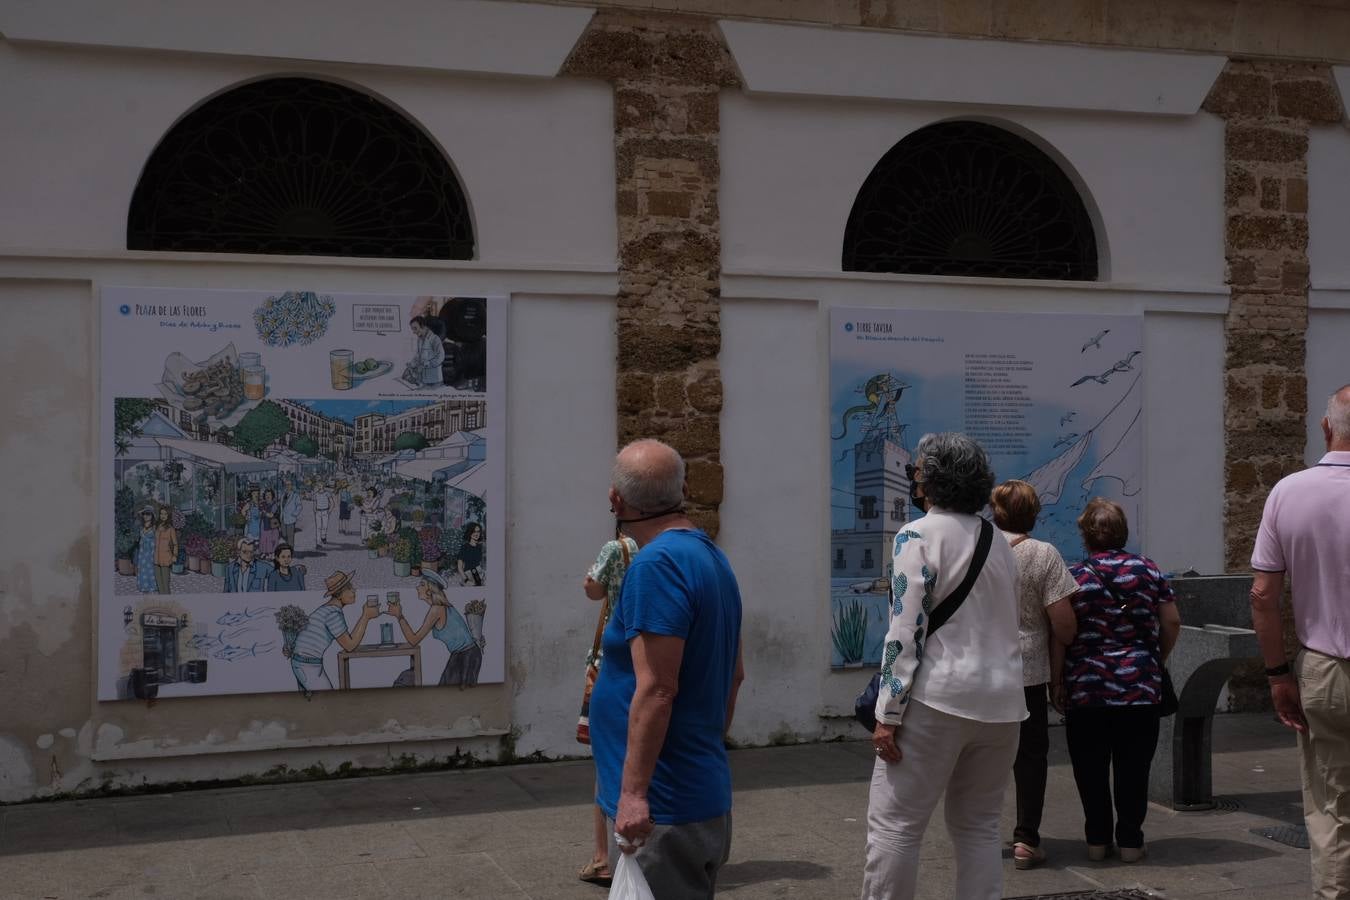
949 704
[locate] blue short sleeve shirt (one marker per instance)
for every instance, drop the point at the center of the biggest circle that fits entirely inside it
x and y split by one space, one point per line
679 585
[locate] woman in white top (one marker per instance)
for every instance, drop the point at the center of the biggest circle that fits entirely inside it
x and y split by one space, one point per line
949 707
1043 580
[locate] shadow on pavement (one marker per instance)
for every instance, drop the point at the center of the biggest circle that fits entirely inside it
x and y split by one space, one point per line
753 871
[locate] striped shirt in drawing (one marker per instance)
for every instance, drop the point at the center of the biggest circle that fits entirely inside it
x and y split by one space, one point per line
1305 529
325 624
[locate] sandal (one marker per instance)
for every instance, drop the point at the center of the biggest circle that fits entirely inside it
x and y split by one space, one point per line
596 872
1026 856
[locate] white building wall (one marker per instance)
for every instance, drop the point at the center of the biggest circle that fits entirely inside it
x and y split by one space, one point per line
536 160
791 168
535 157
1329 300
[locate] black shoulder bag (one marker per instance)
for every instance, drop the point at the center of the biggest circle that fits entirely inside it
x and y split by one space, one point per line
1167 693
864 708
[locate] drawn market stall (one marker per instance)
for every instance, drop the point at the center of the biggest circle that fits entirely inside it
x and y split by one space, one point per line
216 463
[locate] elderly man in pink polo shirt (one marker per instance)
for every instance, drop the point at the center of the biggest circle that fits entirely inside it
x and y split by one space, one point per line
1305 531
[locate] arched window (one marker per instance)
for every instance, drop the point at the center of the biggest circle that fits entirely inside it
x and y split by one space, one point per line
966 198
304 167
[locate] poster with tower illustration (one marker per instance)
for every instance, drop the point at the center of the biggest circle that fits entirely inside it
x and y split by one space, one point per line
1056 400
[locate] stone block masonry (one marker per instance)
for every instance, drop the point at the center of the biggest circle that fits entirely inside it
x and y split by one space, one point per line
1268 108
666 72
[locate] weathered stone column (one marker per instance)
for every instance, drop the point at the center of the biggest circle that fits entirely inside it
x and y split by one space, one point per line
1268 108
666 72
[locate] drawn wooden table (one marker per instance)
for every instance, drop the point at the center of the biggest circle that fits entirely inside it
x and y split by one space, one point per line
378 651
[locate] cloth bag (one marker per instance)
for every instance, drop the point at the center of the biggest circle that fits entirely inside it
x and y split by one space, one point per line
629 883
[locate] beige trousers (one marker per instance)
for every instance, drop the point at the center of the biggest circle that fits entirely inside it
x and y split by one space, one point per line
1324 687
971 762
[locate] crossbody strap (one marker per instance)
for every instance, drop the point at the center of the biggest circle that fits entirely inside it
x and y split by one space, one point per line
947 607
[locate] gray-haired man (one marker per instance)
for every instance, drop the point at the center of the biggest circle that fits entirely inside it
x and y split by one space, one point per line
657 726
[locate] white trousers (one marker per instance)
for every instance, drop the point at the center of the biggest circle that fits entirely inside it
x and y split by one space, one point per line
972 761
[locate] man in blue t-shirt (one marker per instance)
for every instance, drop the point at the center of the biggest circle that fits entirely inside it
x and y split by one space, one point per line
657 726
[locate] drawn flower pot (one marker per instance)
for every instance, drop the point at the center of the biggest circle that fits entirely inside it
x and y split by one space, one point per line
126 567
384 551
374 553
402 569
416 571
218 569
177 568
475 623
192 564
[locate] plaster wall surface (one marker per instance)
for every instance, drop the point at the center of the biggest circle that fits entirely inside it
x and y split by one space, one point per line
535 157
1328 370
1329 300
775 516
791 168
536 160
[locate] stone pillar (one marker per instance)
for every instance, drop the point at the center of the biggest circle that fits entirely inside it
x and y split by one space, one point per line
666 72
1268 108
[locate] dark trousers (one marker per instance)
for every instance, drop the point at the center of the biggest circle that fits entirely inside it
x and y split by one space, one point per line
1030 767
1109 743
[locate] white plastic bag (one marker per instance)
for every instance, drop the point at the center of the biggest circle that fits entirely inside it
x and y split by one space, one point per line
629 882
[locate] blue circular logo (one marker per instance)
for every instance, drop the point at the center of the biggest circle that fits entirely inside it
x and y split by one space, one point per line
124 309
848 326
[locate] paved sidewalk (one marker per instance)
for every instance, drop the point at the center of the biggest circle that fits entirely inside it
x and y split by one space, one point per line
522 832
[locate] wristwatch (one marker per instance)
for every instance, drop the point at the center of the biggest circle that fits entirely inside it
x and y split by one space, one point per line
1277 671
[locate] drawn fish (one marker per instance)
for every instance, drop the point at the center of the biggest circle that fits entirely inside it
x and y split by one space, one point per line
1067 418
1096 341
230 652
202 641
234 618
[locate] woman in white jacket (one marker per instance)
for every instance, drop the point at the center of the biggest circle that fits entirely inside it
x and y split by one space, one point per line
949 706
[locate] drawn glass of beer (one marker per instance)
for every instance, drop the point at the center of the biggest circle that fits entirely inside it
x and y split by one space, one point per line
340 368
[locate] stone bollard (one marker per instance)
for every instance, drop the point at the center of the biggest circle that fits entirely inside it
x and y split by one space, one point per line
1216 635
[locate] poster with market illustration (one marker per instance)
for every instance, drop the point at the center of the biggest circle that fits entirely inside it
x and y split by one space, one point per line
1056 400
300 491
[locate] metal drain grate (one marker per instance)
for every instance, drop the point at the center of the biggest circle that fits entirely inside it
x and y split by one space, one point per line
1091 895
1289 835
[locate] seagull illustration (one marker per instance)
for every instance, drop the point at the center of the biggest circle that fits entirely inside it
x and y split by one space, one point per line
1100 379
1066 439
1067 418
1096 341
1124 364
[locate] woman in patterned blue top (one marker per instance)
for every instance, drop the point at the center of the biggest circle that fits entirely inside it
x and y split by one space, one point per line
145 554
1125 624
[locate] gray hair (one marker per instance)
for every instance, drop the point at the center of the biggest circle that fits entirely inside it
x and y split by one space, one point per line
649 476
956 472
1338 414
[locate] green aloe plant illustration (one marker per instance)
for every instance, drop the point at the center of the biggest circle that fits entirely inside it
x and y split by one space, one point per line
850 631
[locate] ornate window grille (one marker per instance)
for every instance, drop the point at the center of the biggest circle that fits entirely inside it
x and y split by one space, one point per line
966 198
304 167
